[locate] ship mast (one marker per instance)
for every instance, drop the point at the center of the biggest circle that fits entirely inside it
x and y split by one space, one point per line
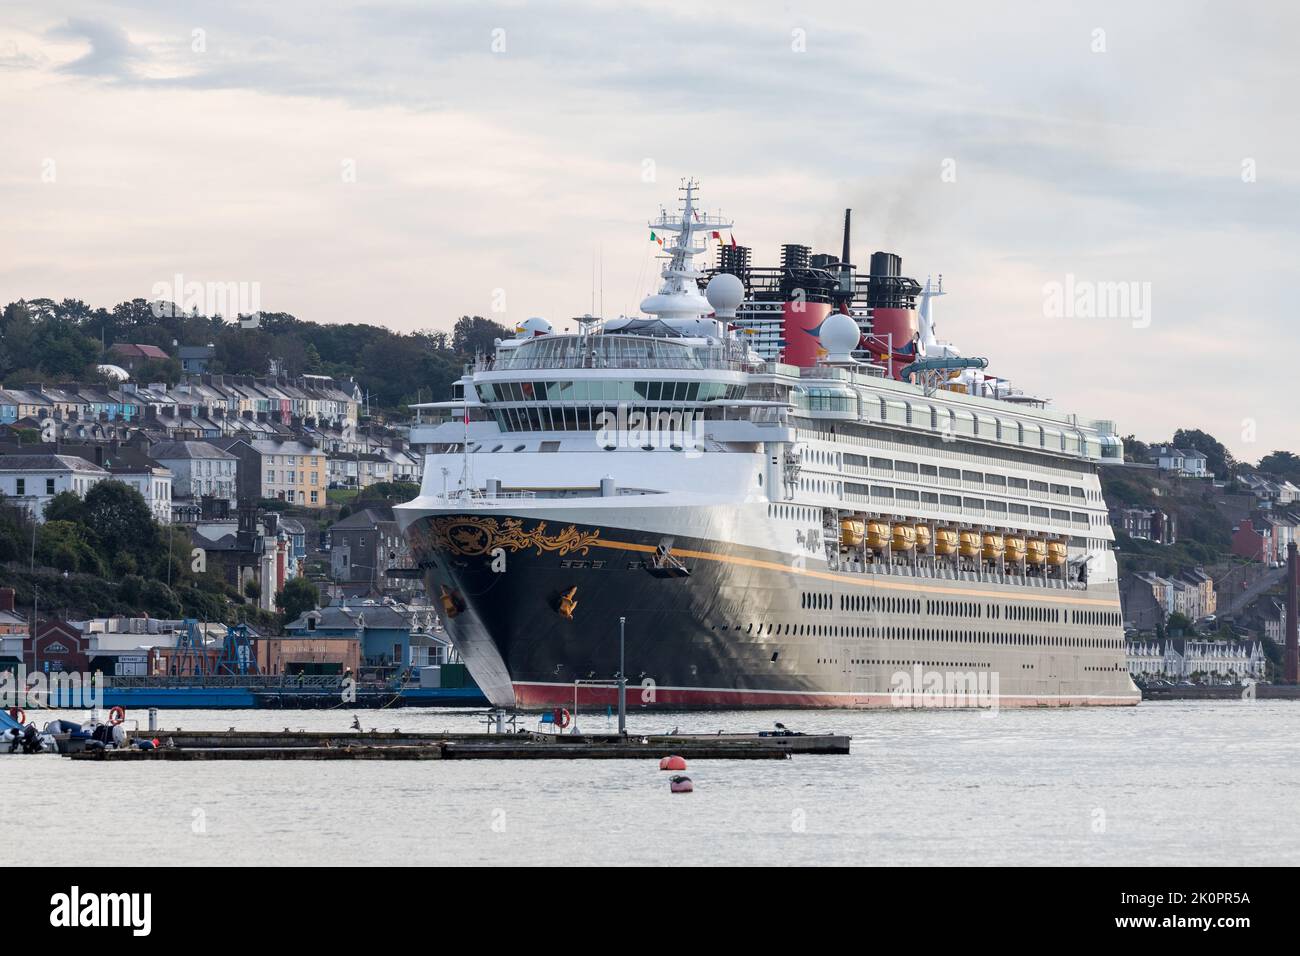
679 295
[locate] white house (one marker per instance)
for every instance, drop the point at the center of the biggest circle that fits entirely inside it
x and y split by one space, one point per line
1183 462
198 469
30 481
1214 661
154 484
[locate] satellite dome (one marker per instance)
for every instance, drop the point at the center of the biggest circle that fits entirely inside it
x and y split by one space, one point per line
725 292
115 372
531 327
839 336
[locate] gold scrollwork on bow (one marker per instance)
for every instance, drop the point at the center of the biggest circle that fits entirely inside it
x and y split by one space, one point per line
474 536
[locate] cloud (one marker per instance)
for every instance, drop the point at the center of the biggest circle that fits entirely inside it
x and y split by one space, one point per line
112 55
511 160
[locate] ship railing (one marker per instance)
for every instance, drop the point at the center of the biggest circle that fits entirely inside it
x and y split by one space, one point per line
290 681
480 497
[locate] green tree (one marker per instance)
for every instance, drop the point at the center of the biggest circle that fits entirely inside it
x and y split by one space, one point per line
298 597
160 600
473 333
1281 464
1217 458
1136 450
158 370
120 521
66 506
64 545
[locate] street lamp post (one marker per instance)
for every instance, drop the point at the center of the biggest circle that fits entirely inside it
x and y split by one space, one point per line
622 680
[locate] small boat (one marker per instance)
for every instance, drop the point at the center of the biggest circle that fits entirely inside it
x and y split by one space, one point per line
852 532
19 738
970 544
904 537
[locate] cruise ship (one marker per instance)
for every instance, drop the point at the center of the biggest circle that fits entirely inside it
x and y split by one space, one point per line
772 488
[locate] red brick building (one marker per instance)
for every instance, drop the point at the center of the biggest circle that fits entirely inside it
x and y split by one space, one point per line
1254 543
57 646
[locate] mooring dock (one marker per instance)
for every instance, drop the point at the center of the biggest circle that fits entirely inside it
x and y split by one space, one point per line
397 745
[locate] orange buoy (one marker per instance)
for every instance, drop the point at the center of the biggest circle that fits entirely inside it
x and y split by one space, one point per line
681 784
116 715
672 763
20 715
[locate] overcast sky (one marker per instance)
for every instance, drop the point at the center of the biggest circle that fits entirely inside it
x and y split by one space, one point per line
399 163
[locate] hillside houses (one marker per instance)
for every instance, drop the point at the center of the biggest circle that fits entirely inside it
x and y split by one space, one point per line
1181 462
298 436
1211 661
1148 599
1264 536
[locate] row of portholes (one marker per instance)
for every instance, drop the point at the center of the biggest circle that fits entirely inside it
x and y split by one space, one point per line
964 665
894 632
891 605
872 602
815 601
1095 618
792 512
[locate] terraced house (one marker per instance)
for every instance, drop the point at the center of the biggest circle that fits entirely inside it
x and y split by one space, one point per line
291 471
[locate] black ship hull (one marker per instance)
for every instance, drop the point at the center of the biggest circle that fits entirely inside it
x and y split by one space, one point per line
534 607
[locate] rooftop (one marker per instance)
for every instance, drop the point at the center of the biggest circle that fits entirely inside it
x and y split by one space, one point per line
49 463
187 449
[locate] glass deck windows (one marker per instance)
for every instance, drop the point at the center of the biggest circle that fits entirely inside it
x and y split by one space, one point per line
596 391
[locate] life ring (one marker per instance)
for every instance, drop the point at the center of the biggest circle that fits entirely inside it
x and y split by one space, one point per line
563 719
116 715
18 714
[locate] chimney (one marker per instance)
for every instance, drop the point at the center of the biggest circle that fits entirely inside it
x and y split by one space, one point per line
7 599
1292 673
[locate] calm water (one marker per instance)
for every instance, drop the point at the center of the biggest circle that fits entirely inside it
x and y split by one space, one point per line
1173 783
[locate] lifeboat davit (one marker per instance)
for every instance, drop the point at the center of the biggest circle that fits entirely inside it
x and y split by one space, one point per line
994 547
945 541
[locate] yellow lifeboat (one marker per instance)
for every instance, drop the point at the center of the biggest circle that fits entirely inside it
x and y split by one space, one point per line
1015 548
1057 553
1036 551
877 535
945 541
994 547
970 543
904 537
923 537
852 531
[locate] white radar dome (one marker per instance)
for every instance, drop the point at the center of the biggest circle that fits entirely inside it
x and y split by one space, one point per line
725 292
531 327
839 336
